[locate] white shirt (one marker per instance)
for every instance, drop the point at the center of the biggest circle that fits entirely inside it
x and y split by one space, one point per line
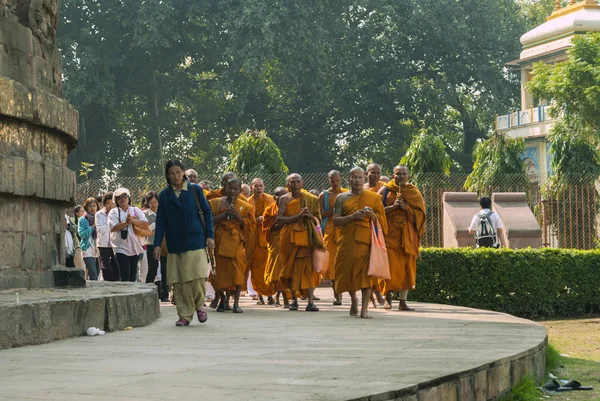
131 246
494 220
102 230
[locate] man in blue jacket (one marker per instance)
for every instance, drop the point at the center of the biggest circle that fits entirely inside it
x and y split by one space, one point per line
185 218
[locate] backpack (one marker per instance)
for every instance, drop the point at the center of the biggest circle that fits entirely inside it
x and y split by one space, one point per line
485 236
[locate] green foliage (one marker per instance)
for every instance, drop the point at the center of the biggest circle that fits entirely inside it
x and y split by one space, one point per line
553 358
255 153
574 87
527 282
525 390
86 169
334 83
427 154
495 158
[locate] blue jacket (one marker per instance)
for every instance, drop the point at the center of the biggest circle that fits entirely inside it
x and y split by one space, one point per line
178 219
85 233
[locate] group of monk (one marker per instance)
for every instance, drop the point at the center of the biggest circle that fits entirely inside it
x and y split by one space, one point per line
272 238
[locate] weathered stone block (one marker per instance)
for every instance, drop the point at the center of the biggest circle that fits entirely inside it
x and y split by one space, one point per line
480 386
19 176
16 36
7 167
68 277
15 99
466 388
10 249
445 391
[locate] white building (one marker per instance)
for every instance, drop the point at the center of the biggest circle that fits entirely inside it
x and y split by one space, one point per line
548 43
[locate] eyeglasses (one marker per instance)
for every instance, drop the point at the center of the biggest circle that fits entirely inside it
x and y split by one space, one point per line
122 196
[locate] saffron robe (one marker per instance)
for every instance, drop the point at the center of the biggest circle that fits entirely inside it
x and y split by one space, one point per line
272 234
376 188
298 272
403 239
354 246
256 248
331 235
230 254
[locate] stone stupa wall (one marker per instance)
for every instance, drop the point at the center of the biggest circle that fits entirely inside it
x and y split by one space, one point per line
37 131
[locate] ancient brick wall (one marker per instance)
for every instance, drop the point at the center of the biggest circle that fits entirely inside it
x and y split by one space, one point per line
37 131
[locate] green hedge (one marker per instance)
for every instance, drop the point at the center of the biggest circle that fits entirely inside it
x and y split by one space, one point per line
526 282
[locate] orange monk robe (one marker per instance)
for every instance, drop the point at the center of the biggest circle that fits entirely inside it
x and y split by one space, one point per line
331 236
403 239
221 193
256 248
296 257
230 254
376 188
354 246
272 234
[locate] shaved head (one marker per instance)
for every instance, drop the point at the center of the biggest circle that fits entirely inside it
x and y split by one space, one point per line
334 173
373 166
356 169
280 191
293 176
226 177
257 181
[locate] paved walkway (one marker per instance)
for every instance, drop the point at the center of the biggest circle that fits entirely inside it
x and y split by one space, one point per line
266 354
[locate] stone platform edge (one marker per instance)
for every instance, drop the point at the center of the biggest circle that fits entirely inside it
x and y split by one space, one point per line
488 382
46 320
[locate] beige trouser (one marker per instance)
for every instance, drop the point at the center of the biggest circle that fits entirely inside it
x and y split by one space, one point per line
189 297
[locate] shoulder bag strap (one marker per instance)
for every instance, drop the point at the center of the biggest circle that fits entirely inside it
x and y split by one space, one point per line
200 212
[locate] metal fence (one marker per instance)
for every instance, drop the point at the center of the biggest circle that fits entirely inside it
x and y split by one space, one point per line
568 214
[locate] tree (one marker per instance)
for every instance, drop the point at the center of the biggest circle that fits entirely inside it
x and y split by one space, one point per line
498 166
255 153
427 154
574 89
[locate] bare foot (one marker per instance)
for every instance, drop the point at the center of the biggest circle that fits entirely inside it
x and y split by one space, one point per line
354 308
404 307
364 314
386 305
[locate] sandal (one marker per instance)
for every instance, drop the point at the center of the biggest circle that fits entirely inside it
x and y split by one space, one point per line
182 322
312 308
575 385
261 302
270 301
202 315
221 307
237 309
293 306
337 302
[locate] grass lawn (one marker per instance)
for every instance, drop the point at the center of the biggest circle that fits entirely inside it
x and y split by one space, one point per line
579 339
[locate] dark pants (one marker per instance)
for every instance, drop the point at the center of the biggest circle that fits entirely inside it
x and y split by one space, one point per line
108 264
163 287
70 261
91 264
128 266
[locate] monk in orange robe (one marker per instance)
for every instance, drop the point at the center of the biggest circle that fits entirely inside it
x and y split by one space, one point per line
405 211
299 214
330 232
256 247
271 232
374 184
233 219
222 192
353 214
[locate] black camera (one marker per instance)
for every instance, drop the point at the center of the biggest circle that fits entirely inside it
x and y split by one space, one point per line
124 234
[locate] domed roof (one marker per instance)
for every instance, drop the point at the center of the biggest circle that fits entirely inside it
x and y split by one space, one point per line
577 18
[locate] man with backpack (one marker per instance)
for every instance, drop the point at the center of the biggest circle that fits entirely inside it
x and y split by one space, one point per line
487 226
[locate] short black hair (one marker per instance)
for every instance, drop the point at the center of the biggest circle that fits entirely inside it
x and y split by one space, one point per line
485 202
99 199
107 196
173 163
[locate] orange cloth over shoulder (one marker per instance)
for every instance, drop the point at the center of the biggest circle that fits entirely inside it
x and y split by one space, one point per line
405 229
256 248
229 244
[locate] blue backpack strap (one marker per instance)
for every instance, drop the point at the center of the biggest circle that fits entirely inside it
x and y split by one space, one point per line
385 195
325 208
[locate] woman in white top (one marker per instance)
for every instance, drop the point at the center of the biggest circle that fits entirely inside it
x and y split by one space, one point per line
126 244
